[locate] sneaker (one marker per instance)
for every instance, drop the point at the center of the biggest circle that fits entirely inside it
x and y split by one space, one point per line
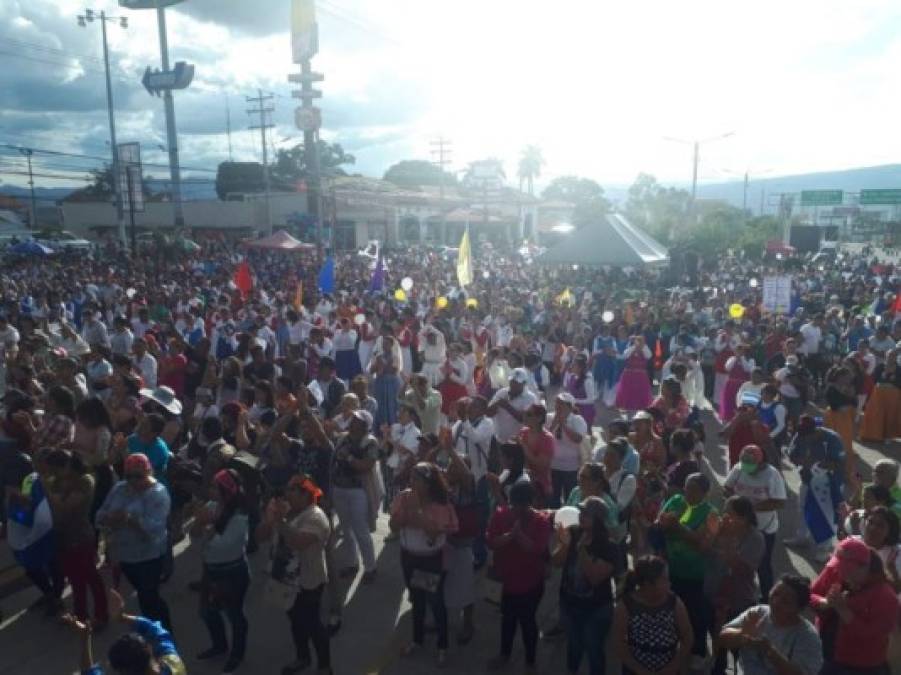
797 542
297 666
231 665
212 653
552 632
497 662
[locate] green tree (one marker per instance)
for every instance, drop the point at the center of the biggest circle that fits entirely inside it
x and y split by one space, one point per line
411 173
586 196
530 163
239 177
100 187
658 210
290 164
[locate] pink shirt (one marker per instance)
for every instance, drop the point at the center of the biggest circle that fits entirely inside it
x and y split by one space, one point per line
541 445
520 570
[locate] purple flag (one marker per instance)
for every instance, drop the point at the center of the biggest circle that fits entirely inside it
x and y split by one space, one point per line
377 282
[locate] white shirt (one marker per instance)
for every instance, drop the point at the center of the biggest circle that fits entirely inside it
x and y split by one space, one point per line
10 336
474 442
623 487
812 336
505 425
345 339
786 388
406 443
567 454
148 367
763 485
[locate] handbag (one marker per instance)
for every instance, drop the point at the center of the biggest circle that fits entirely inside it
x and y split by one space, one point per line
425 581
279 594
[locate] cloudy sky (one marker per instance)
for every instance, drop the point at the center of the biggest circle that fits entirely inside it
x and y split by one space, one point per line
803 85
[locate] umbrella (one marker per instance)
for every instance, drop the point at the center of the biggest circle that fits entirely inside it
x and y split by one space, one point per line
30 247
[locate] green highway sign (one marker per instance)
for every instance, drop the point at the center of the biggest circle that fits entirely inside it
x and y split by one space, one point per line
881 197
821 197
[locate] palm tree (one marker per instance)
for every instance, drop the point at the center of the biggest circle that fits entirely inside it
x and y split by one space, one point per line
530 163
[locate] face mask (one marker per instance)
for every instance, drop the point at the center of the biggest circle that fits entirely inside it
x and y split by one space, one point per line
748 467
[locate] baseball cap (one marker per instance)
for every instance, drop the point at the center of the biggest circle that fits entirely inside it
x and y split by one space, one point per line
643 415
850 554
520 375
363 416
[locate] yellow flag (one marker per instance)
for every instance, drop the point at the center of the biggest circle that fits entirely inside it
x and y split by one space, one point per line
298 296
566 298
464 262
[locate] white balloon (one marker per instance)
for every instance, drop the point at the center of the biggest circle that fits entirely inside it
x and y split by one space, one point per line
406 283
486 274
753 283
360 319
607 316
130 293
567 516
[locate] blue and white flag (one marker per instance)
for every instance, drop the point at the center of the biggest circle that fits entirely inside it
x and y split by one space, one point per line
820 504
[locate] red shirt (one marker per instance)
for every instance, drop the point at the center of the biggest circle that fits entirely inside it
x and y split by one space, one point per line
519 570
862 643
541 444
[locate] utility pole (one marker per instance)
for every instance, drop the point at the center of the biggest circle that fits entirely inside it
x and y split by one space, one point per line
696 160
744 196
171 133
263 110
307 117
90 16
33 221
441 148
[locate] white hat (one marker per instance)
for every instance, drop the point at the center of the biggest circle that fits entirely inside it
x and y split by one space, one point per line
165 397
566 397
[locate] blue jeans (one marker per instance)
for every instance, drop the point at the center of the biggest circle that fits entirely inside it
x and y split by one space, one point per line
586 633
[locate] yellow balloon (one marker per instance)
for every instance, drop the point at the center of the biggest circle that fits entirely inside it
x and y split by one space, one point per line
472 303
736 311
441 302
400 295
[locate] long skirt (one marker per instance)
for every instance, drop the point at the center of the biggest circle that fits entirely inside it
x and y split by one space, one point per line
385 389
634 391
727 399
882 415
347 364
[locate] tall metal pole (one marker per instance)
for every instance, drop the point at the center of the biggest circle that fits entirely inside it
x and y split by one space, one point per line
120 216
262 110
171 135
33 221
311 155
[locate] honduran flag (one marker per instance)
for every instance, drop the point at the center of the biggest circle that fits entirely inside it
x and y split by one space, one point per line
821 504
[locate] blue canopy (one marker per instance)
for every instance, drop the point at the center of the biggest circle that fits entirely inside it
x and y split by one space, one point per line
30 247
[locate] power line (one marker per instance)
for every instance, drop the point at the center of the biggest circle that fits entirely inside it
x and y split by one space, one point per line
263 109
60 153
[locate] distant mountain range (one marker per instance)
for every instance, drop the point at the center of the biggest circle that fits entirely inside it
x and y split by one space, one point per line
847 180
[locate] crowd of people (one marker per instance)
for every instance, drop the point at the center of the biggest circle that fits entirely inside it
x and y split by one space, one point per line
539 424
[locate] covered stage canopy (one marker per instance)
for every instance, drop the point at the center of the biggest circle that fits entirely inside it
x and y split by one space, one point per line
280 241
612 241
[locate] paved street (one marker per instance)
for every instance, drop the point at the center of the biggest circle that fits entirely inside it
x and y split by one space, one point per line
376 619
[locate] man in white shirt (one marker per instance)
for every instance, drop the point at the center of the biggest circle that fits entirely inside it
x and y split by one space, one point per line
812 334
622 487
472 440
122 339
145 363
509 404
568 429
141 323
94 331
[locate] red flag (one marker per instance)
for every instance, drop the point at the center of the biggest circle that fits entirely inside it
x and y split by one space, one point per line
896 307
658 355
243 280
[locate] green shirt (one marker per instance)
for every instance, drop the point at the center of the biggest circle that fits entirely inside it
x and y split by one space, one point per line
895 493
685 560
575 498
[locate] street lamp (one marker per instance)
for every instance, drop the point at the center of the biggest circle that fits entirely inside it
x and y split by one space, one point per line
27 153
90 16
